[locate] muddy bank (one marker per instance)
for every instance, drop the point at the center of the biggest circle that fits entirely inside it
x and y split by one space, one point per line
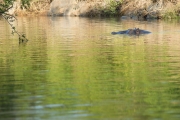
137 9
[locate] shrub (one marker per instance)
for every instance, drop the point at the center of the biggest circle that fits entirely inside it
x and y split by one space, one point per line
112 8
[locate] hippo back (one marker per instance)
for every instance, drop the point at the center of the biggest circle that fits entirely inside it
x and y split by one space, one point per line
132 32
144 32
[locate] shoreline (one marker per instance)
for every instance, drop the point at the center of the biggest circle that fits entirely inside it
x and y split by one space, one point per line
102 9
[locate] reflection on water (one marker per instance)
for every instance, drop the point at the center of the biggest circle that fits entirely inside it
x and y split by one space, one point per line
73 68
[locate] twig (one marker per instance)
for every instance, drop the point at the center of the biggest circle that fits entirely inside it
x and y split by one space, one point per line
22 37
10 24
8 17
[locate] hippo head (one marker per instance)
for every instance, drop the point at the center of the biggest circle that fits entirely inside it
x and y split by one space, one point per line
137 31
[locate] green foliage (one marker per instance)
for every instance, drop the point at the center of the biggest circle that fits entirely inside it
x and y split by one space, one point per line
8 2
112 8
170 15
25 3
5 5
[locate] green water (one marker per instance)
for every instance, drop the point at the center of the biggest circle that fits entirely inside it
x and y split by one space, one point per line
73 69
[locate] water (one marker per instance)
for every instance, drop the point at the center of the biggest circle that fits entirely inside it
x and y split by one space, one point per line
73 69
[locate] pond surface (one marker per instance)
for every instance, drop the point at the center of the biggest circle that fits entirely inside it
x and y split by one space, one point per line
73 69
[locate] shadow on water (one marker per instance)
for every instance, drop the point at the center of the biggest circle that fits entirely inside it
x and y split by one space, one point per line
73 68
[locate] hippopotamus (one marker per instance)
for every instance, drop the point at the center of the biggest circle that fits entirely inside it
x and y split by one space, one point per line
135 31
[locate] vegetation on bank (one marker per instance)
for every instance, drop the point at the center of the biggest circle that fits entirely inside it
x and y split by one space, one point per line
156 9
133 8
111 9
140 9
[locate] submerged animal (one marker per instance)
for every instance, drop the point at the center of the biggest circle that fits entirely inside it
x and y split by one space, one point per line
135 31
